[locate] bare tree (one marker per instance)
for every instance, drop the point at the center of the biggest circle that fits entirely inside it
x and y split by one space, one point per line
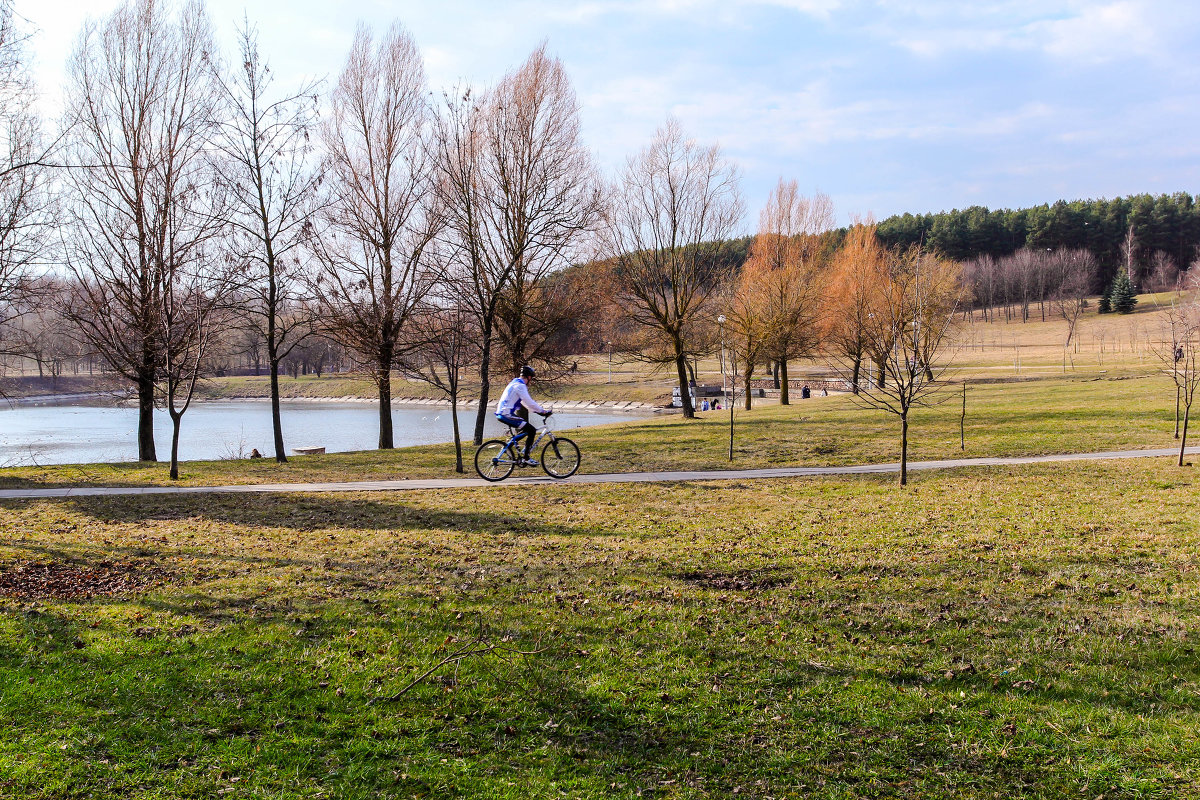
1129 249
445 341
193 310
265 142
1179 352
783 265
382 211
907 334
1164 275
546 197
25 207
675 204
521 196
1072 274
141 108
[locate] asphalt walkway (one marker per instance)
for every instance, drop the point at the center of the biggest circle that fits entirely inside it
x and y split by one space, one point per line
614 477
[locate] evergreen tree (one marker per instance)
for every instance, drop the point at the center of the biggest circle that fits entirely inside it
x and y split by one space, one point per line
1105 304
1121 293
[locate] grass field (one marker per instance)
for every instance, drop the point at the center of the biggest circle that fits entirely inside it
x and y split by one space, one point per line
1013 633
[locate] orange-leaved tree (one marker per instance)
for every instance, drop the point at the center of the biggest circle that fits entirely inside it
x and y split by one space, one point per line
782 275
855 277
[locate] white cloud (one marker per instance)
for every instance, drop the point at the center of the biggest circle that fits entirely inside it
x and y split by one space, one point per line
1100 33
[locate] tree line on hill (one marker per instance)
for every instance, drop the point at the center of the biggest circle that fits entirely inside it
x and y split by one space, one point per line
1165 230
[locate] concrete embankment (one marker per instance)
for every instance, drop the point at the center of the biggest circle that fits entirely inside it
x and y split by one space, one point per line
606 406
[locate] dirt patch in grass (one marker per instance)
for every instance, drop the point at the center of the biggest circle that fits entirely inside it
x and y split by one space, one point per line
742 580
62 580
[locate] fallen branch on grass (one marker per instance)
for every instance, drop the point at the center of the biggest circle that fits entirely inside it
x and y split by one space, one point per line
478 646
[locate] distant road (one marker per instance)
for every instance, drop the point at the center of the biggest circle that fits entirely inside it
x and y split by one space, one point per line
615 477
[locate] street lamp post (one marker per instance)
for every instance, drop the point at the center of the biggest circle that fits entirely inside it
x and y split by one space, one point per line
610 362
732 380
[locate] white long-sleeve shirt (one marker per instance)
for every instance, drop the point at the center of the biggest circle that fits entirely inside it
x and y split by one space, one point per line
515 395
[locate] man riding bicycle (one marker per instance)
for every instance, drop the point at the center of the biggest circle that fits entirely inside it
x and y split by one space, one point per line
514 407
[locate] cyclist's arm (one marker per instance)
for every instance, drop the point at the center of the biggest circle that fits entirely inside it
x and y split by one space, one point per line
529 402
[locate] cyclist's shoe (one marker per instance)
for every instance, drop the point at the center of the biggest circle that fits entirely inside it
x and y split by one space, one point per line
528 462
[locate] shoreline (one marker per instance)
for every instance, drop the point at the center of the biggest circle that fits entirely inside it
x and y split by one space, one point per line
607 406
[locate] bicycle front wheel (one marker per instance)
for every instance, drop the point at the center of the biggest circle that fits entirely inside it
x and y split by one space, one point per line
494 461
560 458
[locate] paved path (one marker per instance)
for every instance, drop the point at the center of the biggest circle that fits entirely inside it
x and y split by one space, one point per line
615 477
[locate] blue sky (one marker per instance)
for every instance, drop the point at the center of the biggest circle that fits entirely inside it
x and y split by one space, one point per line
886 105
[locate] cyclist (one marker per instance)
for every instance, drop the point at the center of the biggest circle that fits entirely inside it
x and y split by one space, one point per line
514 407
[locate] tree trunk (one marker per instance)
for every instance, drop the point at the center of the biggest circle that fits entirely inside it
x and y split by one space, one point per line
145 390
176 421
904 449
276 420
782 373
458 462
749 374
685 393
775 374
857 373
485 386
1177 409
384 378
1183 437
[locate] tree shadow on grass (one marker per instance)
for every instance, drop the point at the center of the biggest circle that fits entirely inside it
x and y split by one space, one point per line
319 512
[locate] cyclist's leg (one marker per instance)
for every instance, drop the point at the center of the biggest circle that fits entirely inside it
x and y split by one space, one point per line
527 430
523 431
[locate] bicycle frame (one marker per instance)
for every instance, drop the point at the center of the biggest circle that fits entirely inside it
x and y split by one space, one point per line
542 433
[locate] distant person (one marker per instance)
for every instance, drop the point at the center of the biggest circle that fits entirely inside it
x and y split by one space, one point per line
514 407
574 367
716 405
704 406
824 392
805 392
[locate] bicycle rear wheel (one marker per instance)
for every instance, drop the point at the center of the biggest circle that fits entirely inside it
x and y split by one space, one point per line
494 461
560 458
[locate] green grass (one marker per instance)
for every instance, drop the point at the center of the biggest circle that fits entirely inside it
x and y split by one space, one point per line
1053 415
1015 633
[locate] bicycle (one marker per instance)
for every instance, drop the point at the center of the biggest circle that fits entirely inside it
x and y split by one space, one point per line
496 459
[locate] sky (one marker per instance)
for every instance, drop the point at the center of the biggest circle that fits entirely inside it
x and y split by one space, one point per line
887 106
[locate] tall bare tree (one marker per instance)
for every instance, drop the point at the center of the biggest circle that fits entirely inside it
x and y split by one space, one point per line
141 109
521 196
382 211
546 196
675 203
266 144
25 208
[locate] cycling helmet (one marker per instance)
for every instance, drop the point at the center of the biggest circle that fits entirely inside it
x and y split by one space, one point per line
527 372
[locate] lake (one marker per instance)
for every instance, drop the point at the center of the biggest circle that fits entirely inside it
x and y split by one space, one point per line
84 433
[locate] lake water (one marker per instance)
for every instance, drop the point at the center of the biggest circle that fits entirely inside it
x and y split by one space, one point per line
67 433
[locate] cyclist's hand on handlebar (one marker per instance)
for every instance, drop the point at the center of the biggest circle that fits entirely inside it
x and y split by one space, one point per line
548 413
